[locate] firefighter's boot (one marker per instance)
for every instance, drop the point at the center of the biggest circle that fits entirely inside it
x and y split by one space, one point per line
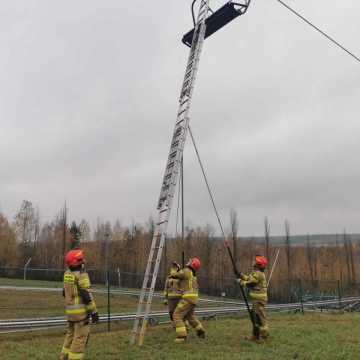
253 338
180 340
200 333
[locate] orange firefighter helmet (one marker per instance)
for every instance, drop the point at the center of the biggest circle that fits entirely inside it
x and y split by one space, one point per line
261 261
75 258
195 263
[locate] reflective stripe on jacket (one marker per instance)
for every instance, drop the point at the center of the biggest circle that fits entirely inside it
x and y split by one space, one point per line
256 283
188 285
74 283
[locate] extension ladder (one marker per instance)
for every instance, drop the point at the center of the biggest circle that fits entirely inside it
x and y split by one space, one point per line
170 179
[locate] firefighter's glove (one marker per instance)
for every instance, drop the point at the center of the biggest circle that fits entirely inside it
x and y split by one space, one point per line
95 317
241 282
175 264
165 302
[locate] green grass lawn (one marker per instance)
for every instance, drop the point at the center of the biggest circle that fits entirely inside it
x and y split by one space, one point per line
34 304
34 283
37 303
293 336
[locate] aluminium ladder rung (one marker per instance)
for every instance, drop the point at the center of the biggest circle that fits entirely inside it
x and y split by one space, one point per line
203 3
181 112
184 102
162 222
176 142
178 131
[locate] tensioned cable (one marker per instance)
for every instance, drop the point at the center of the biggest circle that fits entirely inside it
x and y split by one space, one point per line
207 183
319 30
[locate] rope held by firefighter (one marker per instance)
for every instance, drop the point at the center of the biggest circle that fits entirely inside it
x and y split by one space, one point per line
236 272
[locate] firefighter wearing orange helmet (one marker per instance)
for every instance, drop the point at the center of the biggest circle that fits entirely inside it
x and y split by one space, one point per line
256 283
185 310
172 291
79 306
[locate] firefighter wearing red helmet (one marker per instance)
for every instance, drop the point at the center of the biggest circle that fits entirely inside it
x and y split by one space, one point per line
79 306
256 283
185 310
172 292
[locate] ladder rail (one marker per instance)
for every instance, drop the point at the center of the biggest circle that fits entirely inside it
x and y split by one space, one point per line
144 286
170 178
152 289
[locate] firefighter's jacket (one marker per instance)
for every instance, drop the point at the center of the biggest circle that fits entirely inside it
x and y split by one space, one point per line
79 302
256 283
172 289
188 284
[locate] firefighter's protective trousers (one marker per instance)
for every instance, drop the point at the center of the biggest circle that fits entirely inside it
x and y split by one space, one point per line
258 307
185 311
172 304
76 338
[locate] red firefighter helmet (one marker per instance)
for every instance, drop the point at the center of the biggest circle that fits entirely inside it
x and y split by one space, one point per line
195 263
261 261
74 258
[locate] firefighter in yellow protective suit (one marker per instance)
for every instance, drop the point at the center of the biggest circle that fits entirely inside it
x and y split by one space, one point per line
172 292
256 283
185 310
79 306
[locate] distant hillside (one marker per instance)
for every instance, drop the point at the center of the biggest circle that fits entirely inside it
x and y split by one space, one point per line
317 240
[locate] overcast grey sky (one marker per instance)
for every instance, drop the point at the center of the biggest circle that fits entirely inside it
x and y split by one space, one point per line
88 100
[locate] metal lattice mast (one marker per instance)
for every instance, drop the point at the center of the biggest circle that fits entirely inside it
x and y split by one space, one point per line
170 179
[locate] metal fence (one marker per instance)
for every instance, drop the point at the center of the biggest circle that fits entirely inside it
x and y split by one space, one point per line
282 291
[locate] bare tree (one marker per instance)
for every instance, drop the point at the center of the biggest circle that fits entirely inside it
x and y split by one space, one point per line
347 257
234 226
288 248
63 221
310 257
267 238
351 257
26 228
85 231
7 243
349 254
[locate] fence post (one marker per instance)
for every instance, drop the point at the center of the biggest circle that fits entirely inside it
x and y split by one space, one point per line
339 293
108 298
301 296
119 276
107 265
25 267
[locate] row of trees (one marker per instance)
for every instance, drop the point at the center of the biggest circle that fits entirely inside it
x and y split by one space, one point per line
126 248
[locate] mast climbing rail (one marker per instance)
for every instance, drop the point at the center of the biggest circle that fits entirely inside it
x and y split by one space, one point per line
170 178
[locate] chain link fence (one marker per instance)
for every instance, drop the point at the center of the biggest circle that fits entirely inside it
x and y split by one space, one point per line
293 290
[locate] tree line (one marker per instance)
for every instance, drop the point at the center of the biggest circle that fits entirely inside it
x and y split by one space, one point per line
125 248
